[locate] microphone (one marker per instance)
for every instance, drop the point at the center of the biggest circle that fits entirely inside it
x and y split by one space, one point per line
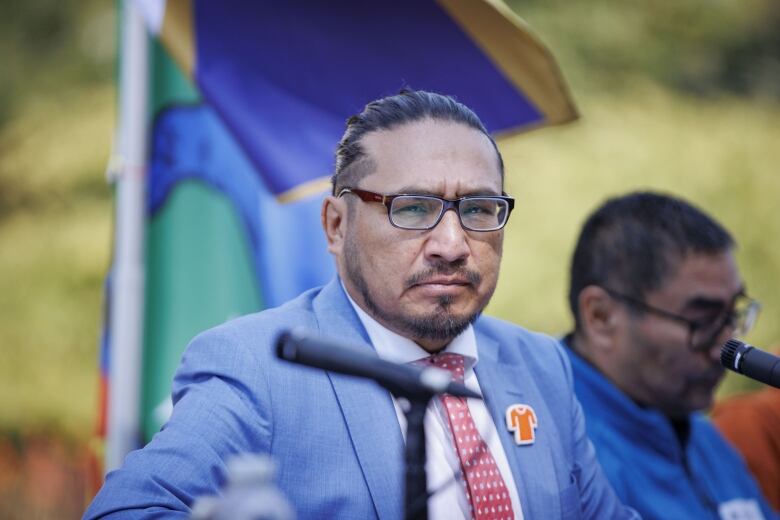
401 380
751 362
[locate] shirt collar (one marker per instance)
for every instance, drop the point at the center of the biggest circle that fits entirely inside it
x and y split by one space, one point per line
393 347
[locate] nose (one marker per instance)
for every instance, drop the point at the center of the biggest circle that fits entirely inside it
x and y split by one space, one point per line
714 351
447 241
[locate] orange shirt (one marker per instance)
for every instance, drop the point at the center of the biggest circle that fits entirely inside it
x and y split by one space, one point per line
751 423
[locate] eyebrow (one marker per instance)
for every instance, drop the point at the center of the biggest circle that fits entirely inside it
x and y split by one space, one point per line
702 302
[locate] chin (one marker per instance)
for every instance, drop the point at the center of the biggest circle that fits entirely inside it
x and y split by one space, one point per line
440 325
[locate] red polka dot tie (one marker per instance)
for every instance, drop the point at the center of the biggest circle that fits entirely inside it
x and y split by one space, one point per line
485 487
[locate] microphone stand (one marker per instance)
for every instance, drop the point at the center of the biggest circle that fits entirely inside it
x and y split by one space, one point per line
415 386
416 489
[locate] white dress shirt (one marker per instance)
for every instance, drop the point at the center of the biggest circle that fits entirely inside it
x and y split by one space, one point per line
443 465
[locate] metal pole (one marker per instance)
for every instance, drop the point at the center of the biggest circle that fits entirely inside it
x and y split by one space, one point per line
416 481
127 291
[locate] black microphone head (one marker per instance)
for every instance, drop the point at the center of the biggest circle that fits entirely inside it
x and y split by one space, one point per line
730 354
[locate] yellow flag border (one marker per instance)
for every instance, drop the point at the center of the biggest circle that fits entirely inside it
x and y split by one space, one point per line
518 53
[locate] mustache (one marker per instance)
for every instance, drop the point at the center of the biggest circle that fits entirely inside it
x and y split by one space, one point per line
472 277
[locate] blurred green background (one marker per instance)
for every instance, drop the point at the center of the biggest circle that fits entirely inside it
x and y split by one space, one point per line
56 126
679 96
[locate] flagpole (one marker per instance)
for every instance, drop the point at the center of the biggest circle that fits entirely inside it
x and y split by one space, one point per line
127 292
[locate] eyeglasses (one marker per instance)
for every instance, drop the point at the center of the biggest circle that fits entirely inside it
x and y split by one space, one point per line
741 315
421 212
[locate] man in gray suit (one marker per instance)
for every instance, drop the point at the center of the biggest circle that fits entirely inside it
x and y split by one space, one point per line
413 280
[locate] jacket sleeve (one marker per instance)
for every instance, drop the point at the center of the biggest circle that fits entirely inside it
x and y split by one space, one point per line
598 499
218 395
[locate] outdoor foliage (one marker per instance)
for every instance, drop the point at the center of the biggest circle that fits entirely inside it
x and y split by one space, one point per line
703 47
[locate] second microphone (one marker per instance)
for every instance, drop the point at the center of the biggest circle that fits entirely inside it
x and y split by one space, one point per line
401 380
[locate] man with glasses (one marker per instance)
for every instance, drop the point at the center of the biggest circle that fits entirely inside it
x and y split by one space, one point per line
415 223
655 292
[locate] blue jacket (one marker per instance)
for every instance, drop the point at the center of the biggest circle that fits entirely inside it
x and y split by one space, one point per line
335 438
647 464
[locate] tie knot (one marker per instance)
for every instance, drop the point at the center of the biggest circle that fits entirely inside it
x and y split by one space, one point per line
453 363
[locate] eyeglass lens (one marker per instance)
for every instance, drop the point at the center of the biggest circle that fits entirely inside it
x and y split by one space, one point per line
420 212
742 318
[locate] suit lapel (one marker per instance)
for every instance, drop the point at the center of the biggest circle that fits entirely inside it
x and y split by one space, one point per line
506 381
367 408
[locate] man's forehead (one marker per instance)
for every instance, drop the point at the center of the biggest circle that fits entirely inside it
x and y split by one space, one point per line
427 132
432 155
702 279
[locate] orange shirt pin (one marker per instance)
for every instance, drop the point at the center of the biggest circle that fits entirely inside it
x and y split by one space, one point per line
521 420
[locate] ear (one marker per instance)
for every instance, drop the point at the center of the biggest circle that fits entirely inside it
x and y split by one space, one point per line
600 318
334 222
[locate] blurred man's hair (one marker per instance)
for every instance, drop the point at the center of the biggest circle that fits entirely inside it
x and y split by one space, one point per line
635 242
352 163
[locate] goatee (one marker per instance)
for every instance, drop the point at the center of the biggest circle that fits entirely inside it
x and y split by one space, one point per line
440 324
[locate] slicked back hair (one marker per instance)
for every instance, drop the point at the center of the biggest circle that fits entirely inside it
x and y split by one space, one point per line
352 162
634 243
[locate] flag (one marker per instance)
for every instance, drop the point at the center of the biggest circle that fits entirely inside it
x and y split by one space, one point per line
219 243
241 134
283 76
